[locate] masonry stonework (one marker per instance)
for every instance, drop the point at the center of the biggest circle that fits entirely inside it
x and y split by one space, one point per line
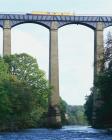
6 38
54 117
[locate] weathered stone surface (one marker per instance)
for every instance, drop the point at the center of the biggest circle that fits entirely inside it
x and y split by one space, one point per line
54 117
98 66
7 38
98 49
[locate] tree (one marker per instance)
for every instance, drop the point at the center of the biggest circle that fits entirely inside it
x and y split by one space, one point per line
89 107
26 69
63 109
76 115
103 87
15 104
104 83
24 93
15 99
108 48
3 70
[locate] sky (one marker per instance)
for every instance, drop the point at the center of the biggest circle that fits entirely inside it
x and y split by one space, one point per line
76 43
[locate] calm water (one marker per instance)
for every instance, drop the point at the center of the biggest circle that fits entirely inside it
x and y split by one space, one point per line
66 133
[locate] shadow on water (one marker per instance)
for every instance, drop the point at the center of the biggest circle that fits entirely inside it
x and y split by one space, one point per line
66 133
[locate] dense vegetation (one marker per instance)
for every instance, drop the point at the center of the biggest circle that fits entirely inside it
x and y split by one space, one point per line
72 114
103 89
89 107
23 93
76 115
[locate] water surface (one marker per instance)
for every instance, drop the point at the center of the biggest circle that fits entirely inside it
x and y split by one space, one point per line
66 133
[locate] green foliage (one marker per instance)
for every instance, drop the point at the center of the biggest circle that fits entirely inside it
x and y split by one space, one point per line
89 107
76 115
102 93
104 84
15 104
63 109
3 70
26 69
23 93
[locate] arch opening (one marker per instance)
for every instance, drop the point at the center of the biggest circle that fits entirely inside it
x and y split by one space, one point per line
31 22
32 39
80 24
76 51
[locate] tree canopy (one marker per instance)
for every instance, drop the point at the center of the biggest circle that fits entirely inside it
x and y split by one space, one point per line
24 93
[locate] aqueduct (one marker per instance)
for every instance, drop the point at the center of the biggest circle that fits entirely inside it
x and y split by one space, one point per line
53 23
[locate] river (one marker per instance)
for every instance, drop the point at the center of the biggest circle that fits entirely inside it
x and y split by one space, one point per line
66 133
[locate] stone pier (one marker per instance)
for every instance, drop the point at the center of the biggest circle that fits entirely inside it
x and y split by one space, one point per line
6 38
54 117
98 65
98 49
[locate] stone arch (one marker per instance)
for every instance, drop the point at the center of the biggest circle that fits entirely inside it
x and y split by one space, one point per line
79 23
32 22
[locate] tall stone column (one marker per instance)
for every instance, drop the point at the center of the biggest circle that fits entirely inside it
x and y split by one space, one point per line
98 49
7 38
54 117
98 67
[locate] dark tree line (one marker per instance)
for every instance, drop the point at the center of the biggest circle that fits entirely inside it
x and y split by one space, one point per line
103 87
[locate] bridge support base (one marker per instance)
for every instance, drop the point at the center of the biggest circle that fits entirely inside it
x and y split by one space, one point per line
54 117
